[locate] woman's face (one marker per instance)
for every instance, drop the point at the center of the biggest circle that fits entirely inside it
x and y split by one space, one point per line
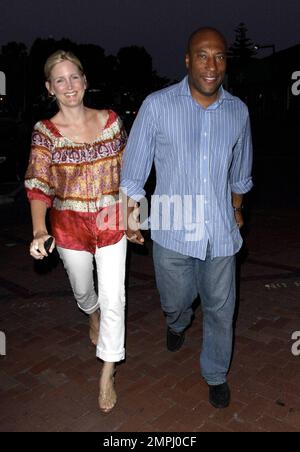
67 84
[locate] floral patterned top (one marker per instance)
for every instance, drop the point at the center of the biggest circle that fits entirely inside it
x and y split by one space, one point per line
80 182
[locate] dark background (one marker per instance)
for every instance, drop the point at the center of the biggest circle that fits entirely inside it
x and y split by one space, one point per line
49 378
161 26
130 48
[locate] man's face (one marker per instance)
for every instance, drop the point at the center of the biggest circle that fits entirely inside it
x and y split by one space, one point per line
206 64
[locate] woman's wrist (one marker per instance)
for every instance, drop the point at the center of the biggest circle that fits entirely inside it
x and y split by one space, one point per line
39 234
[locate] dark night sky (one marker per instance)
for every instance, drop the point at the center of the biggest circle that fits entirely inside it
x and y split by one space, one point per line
161 26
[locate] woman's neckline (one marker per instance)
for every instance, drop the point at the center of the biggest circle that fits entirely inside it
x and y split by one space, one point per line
89 143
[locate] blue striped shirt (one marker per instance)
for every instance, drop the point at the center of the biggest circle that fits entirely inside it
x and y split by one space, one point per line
201 155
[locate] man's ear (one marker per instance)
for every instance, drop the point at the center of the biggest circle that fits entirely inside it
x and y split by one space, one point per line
187 60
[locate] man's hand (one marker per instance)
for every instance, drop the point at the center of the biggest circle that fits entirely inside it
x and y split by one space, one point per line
239 218
237 203
132 226
134 236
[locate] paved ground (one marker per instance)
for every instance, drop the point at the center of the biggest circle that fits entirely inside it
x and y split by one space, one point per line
49 375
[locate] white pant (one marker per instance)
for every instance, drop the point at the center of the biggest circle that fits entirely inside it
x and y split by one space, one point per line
110 263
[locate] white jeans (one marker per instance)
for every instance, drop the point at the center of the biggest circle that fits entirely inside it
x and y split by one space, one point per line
110 264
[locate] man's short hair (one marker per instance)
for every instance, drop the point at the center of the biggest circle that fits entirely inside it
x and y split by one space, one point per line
204 29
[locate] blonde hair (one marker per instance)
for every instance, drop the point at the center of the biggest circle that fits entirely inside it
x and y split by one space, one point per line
58 57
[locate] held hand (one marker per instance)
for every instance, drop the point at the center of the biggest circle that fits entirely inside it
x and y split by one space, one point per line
37 249
132 228
239 219
135 236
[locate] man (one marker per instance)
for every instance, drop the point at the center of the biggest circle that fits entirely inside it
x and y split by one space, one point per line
199 138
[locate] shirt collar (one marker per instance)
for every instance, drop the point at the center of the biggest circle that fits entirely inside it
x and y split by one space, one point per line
184 90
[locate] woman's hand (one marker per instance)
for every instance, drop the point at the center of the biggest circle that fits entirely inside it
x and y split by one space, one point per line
131 214
135 236
37 249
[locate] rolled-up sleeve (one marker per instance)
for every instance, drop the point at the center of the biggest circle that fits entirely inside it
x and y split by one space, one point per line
38 175
139 153
241 167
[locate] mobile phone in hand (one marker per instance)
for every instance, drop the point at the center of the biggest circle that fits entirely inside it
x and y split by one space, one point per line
48 243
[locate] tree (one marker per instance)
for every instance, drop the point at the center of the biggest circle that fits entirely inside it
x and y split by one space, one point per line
243 47
120 82
136 78
92 58
135 66
14 49
41 49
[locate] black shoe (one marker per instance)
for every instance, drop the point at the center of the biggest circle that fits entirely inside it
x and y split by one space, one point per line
174 340
219 396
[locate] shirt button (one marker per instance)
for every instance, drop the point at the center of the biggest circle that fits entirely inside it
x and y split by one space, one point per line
205 134
204 158
206 221
204 180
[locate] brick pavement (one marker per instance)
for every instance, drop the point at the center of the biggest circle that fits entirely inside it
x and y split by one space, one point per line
49 376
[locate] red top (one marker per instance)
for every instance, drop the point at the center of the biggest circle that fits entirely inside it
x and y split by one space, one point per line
80 182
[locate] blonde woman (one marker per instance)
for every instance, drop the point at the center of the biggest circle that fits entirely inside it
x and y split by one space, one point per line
74 170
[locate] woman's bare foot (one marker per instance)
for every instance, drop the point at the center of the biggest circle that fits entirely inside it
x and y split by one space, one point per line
94 320
107 396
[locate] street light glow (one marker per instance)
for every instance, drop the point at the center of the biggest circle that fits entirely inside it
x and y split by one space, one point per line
264 46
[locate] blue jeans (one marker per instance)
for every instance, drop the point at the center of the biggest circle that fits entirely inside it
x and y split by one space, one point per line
179 280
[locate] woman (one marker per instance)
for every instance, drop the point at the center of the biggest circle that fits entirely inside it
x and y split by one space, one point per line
74 169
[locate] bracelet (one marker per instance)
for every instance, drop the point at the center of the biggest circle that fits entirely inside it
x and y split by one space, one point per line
237 209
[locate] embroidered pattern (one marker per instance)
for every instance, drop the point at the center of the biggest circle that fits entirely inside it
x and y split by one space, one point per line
79 181
86 206
76 175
